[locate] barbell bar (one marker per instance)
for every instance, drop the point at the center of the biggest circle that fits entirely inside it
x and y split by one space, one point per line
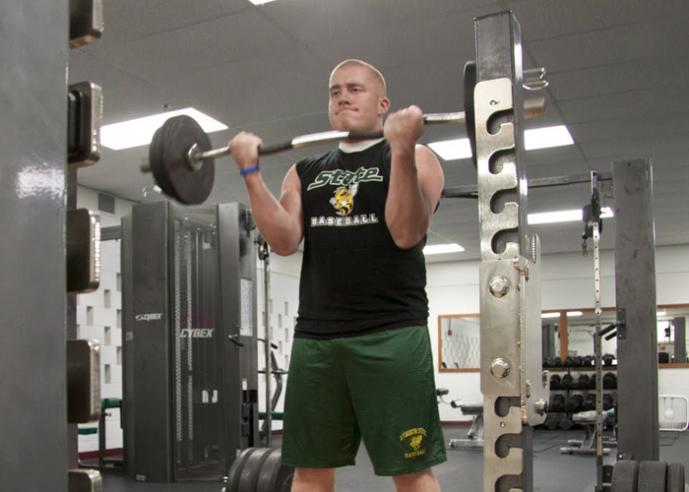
195 157
182 160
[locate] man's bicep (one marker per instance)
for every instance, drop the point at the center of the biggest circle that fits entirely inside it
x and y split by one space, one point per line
430 176
290 199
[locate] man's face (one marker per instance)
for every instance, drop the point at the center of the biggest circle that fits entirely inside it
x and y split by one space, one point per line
356 100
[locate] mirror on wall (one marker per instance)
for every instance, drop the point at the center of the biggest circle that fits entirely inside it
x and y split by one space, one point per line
566 333
459 342
672 335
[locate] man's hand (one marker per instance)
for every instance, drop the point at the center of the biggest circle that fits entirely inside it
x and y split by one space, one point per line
244 148
403 128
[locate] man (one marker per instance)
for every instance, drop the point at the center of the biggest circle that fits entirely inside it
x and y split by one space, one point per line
361 359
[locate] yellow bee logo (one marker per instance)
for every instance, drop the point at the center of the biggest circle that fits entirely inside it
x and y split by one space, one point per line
343 199
415 442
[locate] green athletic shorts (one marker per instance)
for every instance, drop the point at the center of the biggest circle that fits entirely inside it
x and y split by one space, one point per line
378 386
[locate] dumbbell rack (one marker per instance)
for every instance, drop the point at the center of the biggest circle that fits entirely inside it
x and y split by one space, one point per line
574 389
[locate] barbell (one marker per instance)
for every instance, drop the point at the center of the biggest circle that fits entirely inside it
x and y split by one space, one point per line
183 163
182 160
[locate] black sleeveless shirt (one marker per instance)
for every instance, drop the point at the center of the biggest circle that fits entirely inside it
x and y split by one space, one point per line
354 279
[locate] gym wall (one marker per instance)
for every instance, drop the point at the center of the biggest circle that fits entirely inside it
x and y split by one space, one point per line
452 289
99 316
567 282
283 299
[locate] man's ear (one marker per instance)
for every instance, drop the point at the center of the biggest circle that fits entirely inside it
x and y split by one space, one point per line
383 105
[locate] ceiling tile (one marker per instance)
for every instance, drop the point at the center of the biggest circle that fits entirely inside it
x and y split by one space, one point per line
658 73
623 43
618 72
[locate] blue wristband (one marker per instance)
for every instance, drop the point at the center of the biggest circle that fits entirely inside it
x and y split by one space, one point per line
249 170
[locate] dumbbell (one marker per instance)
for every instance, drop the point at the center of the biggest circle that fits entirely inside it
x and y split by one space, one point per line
588 361
555 382
557 403
608 359
609 381
566 423
584 381
573 403
552 421
608 401
567 381
589 403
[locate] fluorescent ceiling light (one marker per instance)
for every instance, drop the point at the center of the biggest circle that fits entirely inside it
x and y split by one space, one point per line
139 131
438 249
450 150
661 313
573 314
564 216
537 138
550 136
260 2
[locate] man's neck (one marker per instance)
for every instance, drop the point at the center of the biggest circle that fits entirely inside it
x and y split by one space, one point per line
349 146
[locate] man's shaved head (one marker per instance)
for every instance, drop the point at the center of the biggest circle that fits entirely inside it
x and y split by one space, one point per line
360 63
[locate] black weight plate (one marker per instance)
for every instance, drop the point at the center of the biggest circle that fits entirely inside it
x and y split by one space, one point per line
675 478
269 471
167 157
285 479
274 476
252 469
652 476
236 469
625 476
469 115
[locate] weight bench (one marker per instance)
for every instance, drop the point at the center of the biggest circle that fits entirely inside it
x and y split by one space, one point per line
474 437
587 446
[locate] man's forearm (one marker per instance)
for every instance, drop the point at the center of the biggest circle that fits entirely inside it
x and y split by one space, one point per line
273 221
406 211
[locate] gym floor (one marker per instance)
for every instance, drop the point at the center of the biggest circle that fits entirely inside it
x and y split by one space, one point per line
462 472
